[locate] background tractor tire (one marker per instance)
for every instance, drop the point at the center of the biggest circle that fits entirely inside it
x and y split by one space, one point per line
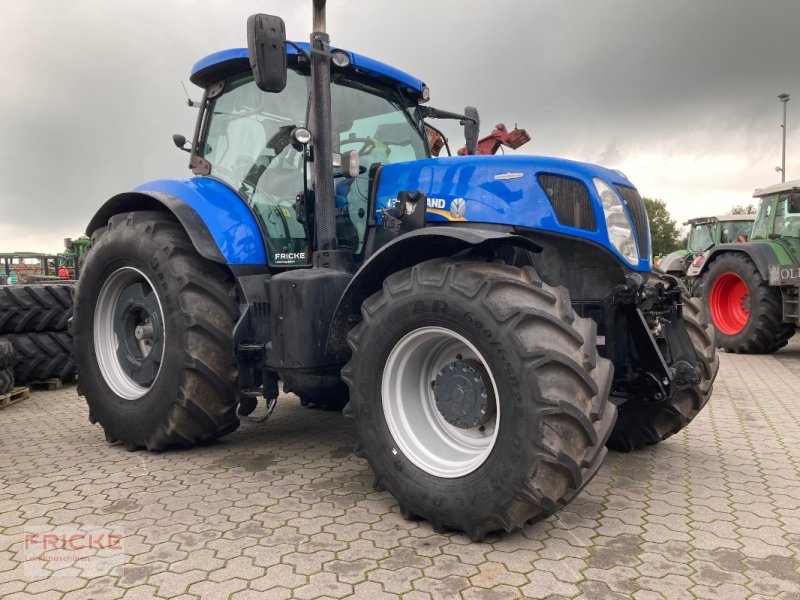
6 380
35 307
745 310
189 393
541 359
42 356
646 424
8 356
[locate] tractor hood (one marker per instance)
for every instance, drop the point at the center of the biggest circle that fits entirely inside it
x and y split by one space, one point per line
548 194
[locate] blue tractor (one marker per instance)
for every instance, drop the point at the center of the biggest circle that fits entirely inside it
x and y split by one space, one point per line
492 323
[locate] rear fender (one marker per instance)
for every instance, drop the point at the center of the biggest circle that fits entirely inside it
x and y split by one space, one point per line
403 252
761 254
218 222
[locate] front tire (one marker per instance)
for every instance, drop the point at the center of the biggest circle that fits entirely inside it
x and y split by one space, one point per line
745 310
153 336
479 398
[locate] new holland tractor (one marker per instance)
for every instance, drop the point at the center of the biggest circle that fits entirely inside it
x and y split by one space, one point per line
492 322
752 291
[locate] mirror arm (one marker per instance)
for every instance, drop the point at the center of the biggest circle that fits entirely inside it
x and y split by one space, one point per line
430 112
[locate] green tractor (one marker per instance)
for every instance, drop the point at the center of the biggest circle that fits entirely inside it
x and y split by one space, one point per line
704 234
750 291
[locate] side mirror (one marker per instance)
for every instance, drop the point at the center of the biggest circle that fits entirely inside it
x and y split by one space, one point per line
472 126
180 141
266 46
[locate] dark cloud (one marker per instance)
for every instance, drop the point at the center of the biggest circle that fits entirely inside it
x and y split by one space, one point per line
681 95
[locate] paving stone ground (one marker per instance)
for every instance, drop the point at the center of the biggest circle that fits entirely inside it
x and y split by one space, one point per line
284 510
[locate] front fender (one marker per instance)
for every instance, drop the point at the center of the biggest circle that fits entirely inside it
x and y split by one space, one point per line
673 261
218 222
403 252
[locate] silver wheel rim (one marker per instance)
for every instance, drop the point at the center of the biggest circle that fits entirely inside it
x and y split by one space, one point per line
418 428
129 333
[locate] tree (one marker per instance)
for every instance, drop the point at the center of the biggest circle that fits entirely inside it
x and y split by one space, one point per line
664 232
741 209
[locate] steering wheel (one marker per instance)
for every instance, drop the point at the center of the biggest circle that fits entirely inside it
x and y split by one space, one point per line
367 144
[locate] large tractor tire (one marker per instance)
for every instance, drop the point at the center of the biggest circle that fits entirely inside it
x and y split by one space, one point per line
42 356
8 356
153 336
745 310
478 395
644 424
35 307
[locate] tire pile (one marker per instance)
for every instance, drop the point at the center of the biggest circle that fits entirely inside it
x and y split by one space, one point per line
33 324
7 358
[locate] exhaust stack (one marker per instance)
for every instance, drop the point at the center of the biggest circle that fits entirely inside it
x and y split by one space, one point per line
323 143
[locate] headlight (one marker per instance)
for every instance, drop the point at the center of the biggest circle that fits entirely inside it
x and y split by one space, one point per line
340 58
618 223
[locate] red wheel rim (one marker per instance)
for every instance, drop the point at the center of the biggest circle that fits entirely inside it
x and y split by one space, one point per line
729 303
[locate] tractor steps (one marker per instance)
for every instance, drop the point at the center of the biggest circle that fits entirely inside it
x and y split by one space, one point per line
16 395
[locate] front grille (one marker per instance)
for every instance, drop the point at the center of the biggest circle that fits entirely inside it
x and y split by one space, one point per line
570 201
635 204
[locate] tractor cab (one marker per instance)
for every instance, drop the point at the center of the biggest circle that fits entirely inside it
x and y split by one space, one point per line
778 218
253 141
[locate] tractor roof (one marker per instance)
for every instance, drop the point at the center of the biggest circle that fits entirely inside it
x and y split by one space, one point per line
784 186
720 218
219 65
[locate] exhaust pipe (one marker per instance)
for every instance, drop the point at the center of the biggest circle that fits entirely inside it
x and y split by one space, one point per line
319 16
325 229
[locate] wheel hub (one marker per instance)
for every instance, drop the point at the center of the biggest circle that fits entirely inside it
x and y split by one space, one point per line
729 303
435 385
135 316
461 394
129 333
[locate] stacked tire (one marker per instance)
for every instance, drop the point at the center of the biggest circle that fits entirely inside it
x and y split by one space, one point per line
33 319
7 358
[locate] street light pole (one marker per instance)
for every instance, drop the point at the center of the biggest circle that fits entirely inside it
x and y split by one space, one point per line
783 98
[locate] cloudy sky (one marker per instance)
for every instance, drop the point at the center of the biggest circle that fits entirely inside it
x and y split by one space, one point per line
679 94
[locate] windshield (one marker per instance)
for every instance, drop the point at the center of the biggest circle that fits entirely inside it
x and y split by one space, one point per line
375 123
778 218
763 217
787 222
702 237
247 142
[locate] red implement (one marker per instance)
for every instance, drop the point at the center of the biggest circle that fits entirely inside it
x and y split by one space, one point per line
500 136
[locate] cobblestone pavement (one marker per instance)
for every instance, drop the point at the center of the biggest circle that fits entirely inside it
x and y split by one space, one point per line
285 510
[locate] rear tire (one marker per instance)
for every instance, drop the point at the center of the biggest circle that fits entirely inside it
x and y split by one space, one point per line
641 424
745 310
42 356
546 438
153 332
35 307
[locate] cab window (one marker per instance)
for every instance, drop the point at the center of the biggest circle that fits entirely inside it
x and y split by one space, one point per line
763 217
247 142
702 237
375 122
